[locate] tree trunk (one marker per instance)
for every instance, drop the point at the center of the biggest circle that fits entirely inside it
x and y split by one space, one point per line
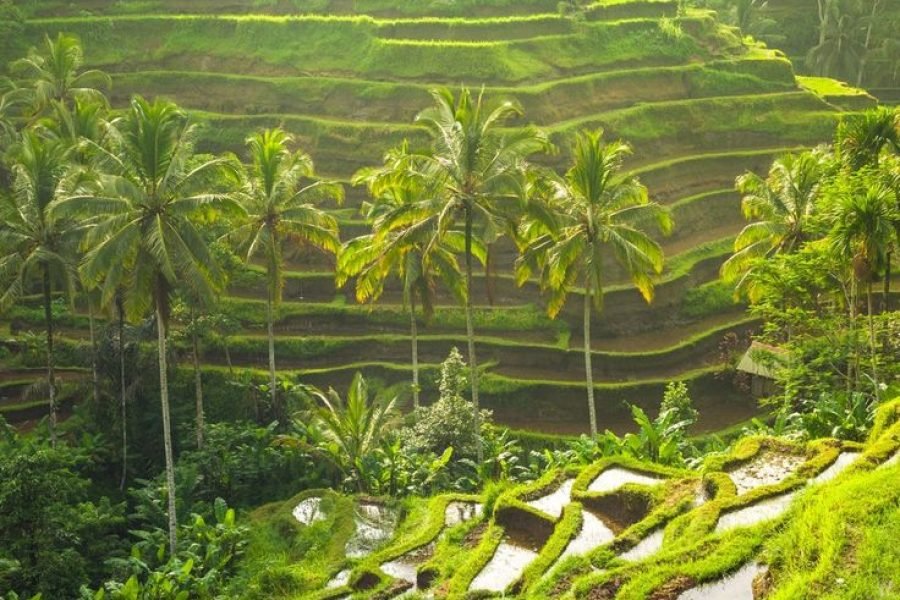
167 427
822 6
470 335
415 349
588 367
122 392
886 294
95 375
198 380
872 341
865 55
271 334
51 373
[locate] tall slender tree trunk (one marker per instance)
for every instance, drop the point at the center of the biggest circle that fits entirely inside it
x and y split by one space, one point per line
95 375
167 426
865 55
872 341
51 372
271 334
413 329
886 293
588 367
227 354
198 381
470 335
123 404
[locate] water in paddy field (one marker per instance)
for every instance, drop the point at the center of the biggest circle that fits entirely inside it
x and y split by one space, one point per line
374 526
308 511
615 477
553 503
593 533
648 546
505 567
892 460
737 586
844 460
339 580
460 512
755 513
766 469
405 567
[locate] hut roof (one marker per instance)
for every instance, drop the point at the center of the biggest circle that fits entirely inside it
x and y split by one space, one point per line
762 360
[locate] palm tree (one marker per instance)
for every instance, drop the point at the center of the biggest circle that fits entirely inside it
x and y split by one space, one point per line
861 138
146 241
781 205
56 75
355 428
839 52
279 200
35 243
865 221
593 209
475 167
406 252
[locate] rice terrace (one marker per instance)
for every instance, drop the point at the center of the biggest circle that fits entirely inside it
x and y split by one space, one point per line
371 299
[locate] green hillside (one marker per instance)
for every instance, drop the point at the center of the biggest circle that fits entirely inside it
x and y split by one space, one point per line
698 104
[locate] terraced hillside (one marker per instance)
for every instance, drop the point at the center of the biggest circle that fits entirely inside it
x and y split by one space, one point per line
771 519
347 78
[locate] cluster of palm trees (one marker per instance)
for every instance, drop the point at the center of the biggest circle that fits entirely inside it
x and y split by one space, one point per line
118 208
841 200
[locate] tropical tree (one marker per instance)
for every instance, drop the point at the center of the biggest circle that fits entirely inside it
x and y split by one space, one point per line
865 220
475 167
781 205
353 429
279 200
35 243
408 252
56 75
145 242
839 52
861 138
593 210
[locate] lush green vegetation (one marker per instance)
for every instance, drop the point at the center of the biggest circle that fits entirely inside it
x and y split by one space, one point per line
165 237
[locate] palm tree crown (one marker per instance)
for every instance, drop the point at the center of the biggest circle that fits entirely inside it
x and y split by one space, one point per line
782 205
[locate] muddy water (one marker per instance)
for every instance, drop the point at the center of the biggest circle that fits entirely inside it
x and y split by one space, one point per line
593 533
844 460
506 566
374 526
648 546
553 503
460 512
307 512
615 477
755 513
766 469
737 586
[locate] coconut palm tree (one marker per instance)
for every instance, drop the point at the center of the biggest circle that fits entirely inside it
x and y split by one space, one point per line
865 220
840 49
57 76
279 200
35 243
593 210
781 205
146 241
475 167
406 252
